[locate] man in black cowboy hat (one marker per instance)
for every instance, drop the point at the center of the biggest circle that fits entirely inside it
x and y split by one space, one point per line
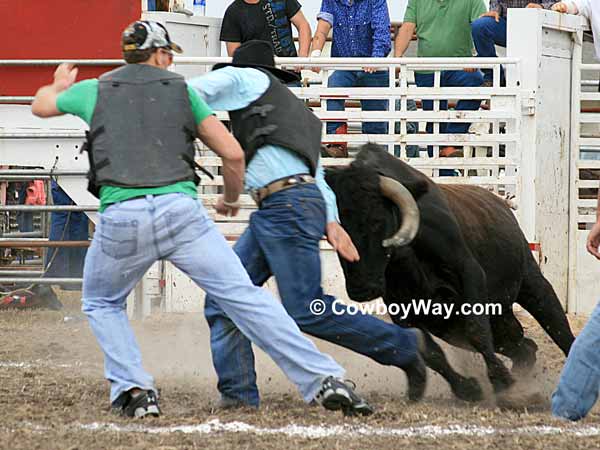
281 139
143 122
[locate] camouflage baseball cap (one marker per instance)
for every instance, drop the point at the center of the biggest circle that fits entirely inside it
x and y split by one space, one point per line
146 34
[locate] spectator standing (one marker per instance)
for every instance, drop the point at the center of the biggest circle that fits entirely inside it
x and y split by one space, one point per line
66 226
579 383
490 30
443 30
266 20
361 29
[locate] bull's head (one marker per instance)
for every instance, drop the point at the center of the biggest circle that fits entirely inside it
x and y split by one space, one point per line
380 214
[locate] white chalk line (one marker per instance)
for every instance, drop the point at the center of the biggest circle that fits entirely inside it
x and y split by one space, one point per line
344 431
36 363
311 431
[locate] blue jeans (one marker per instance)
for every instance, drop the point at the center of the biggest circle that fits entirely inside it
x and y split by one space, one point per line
359 78
412 151
282 240
450 78
68 262
131 236
487 33
579 383
24 218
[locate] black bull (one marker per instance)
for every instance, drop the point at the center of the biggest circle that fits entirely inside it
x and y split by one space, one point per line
457 244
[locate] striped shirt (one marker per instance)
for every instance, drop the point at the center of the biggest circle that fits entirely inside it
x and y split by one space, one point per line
502 5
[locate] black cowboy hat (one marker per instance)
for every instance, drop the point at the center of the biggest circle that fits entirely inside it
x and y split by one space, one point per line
259 55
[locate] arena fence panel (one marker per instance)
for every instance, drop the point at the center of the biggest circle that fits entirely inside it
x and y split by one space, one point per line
516 144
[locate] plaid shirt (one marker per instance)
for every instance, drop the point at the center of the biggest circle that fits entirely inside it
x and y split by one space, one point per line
502 5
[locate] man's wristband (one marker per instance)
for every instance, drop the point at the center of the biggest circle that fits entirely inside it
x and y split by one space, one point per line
315 53
232 205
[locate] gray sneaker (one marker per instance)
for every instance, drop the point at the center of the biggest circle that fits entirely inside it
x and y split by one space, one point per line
336 394
142 404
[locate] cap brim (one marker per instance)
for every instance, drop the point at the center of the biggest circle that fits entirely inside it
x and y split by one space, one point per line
176 48
283 75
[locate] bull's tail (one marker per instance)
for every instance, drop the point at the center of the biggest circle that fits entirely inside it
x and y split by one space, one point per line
538 298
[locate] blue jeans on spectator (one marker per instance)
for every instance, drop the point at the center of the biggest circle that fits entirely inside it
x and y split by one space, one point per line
412 151
487 33
282 240
579 383
66 226
450 78
134 234
359 78
24 218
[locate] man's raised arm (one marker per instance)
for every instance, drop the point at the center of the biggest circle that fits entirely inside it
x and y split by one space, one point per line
44 103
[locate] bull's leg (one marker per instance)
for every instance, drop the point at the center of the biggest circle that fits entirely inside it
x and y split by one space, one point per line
510 341
479 335
538 297
478 328
467 389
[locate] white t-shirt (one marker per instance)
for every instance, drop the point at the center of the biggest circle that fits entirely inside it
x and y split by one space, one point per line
590 9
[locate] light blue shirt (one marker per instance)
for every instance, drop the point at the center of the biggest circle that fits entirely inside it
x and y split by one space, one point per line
232 88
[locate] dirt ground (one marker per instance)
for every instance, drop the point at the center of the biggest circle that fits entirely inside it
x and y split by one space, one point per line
53 396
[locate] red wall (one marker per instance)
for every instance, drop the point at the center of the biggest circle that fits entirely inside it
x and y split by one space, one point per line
59 29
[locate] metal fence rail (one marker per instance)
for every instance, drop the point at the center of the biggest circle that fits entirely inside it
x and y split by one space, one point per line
492 154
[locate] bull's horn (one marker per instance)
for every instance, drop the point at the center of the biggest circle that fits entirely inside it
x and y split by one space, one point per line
402 197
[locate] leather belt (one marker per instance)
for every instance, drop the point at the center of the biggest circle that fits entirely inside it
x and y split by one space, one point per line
258 195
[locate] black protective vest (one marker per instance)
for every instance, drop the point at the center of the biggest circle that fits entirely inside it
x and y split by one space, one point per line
278 117
142 130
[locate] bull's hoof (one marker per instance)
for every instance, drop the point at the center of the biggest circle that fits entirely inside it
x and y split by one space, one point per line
417 379
468 390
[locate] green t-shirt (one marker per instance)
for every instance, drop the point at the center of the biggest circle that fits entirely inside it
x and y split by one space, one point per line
444 26
80 100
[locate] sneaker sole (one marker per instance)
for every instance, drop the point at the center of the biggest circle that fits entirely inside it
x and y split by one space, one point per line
152 411
337 400
340 400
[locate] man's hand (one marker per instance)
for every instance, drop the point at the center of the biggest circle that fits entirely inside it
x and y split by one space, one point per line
370 69
64 77
470 69
560 7
593 241
229 209
493 14
44 103
535 5
341 242
315 54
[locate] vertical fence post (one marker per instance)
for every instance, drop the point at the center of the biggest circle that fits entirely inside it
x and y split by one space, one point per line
546 62
573 302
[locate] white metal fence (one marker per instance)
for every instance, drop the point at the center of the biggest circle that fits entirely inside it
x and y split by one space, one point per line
518 145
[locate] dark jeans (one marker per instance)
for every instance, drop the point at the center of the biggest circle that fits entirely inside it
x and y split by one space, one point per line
450 78
282 240
412 151
359 78
24 218
487 33
68 262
